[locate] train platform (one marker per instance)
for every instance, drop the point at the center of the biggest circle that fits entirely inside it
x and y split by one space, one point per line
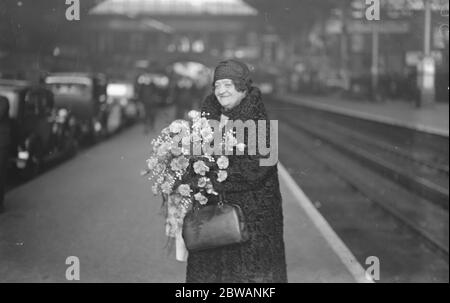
433 118
98 208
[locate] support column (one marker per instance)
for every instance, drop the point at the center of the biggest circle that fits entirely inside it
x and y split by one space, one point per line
375 58
426 67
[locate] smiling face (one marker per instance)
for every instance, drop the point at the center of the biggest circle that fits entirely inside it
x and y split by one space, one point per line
227 94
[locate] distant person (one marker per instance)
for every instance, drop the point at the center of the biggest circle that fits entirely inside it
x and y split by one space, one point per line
183 97
149 98
4 146
413 90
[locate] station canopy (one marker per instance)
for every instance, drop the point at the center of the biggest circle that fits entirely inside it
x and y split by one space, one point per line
174 7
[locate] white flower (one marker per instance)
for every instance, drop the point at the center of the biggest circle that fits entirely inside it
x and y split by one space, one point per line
202 181
240 146
174 165
200 124
210 189
183 162
230 141
176 150
200 168
151 163
159 168
166 130
178 126
166 188
207 133
186 140
163 149
222 162
200 198
186 151
222 175
175 127
184 190
194 115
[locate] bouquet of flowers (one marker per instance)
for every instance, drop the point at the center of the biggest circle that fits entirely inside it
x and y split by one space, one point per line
182 176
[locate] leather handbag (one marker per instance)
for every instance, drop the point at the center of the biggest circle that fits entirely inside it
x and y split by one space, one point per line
213 226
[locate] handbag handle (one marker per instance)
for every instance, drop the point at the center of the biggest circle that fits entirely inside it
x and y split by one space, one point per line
220 203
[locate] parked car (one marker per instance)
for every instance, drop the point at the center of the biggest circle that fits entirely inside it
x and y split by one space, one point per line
40 133
84 94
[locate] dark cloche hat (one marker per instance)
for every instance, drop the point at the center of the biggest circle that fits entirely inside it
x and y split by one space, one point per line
232 69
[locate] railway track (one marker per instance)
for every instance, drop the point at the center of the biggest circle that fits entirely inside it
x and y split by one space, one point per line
422 205
416 164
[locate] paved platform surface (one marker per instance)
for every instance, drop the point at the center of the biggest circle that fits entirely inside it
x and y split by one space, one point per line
97 207
432 118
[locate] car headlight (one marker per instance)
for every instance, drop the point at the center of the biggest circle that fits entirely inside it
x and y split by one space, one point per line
23 155
62 112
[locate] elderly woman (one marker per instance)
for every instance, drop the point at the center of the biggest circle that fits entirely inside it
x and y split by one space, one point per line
253 187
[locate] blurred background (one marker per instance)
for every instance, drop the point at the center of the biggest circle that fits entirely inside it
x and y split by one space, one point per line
360 90
306 46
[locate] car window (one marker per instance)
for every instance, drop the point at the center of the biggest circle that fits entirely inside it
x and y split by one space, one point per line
74 89
13 98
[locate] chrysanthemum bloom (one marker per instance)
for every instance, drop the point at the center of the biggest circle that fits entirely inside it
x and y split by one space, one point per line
200 168
207 134
240 146
165 130
151 163
200 198
178 126
163 149
183 162
210 189
159 168
222 175
184 190
194 115
202 182
175 165
222 162
166 188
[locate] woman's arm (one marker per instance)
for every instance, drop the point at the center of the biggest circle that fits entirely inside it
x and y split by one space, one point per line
245 172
